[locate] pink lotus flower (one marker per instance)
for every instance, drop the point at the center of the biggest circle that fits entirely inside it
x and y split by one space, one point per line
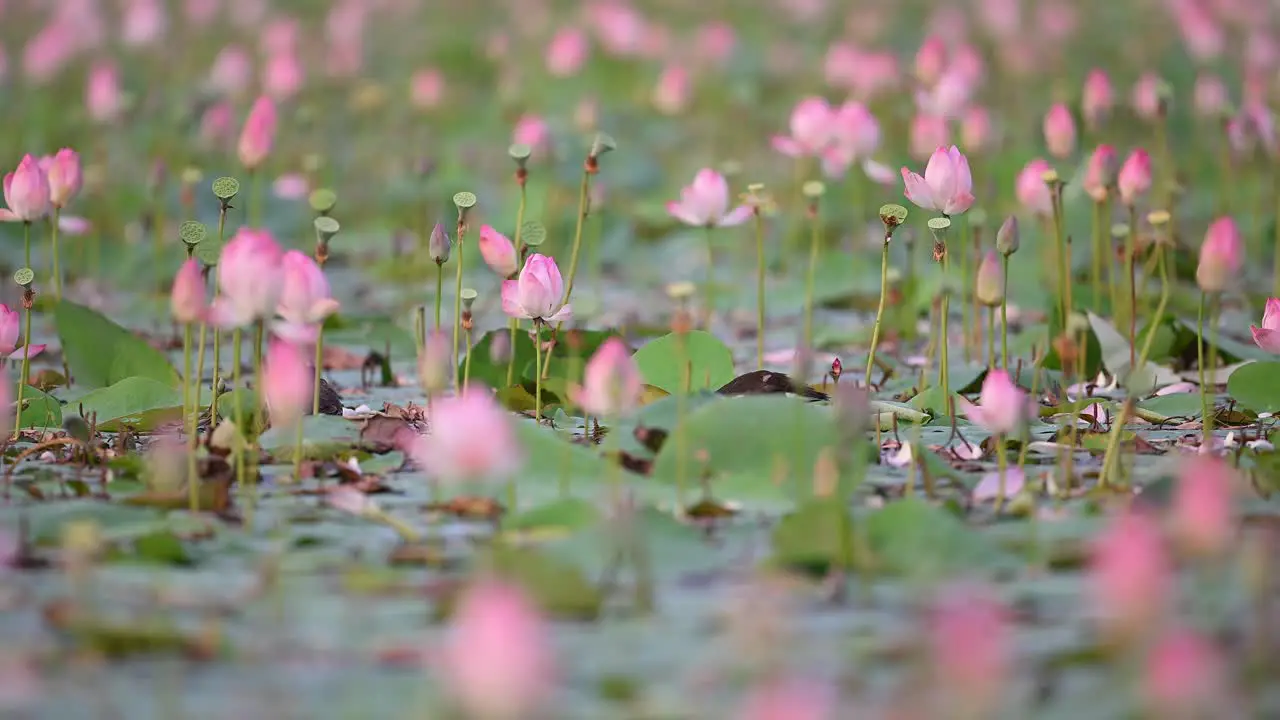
812 128
988 288
1100 174
426 89
567 52
788 699
1134 179
10 329
102 92
1184 677
537 293
705 203
1221 256
612 383
931 58
1210 97
282 76
305 301
232 71
498 252
187 299
672 91
1267 337
1003 407
291 186
286 383
855 136
143 22
217 124
1031 189
1098 98
26 192
975 129
533 131
1146 96
498 660
249 279
1201 33
947 97
1202 513
472 439
64 176
1060 131
1129 575
435 362
971 649
947 185
927 134
259 133
715 41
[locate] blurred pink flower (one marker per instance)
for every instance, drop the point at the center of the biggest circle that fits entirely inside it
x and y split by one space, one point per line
305 300
788 699
1201 33
102 92
1202 512
618 25
62 170
970 642
1146 96
1032 191
200 13
611 382
928 133
586 115
856 136
1003 407
1210 97
1057 21
498 659
286 383
26 192
249 279
1184 677
1134 178
967 63
1267 337
498 251
1002 18
705 203
537 293
1100 173
10 331
472 438
187 298
931 59
258 134
49 51
567 52
715 41
426 89
350 500
947 185
975 129
279 36
1060 131
1098 98
232 71
435 363
1221 256
988 287
143 22
1129 575
283 75
1252 127
291 186
218 123
533 131
947 97
812 129
671 92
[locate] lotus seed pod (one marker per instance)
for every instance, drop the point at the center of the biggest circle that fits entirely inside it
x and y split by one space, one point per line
322 201
192 232
24 277
468 296
226 188
533 233
326 229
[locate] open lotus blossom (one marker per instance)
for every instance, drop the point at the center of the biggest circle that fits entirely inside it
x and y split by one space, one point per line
811 128
498 252
63 173
187 298
498 658
612 383
286 383
471 439
249 281
855 136
947 185
1003 407
1221 256
705 202
1032 191
26 192
1266 337
259 133
305 301
537 293
10 330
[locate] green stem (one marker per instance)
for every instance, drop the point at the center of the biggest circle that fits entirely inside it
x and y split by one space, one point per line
199 379
1163 267
1002 464
26 242
315 388
944 311
258 395
457 308
1276 230
466 367
255 200
1004 316
760 299
1110 459
1213 358
297 452
584 194
1095 271
1129 251
439 291
815 244
686 380
26 365
537 364
193 490
513 326
217 373
710 289
57 273
237 339
1205 415
991 337
884 292
966 279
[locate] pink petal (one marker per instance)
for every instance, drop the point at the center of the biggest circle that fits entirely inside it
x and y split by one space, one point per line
510 306
917 190
1266 339
565 314
35 350
682 213
736 216
787 146
989 487
7 215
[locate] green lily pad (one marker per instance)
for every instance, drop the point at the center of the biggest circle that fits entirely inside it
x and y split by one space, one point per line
1256 386
700 357
131 401
101 353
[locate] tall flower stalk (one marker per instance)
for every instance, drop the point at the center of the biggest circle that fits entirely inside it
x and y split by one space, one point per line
1221 260
705 203
24 277
520 154
225 190
813 192
326 228
939 227
892 216
590 168
1007 242
464 201
537 294
756 200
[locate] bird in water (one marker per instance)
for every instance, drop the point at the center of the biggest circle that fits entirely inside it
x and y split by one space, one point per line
767 382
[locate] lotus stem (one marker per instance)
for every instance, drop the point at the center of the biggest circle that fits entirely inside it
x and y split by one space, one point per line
710 290
584 197
193 485
53 235
884 292
537 363
760 298
315 388
457 304
1129 252
1004 316
439 291
26 360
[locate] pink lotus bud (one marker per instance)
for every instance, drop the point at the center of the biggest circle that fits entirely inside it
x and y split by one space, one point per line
1210 96
305 301
612 384
1146 96
1201 33
187 300
1221 256
435 364
1184 677
249 279
26 191
426 89
6 426
928 133
286 383
789 699
537 293
1134 179
143 23
1098 98
1031 189
1266 337
232 71
947 185
531 130
498 252
931 58
10 331
63 173
975 129
1129 575
1060 131
989 287
498 660
1003 407
970 649
471 438
259 133
1008 237
811 125
705 203
102 92
672 91
282 76
567 52
1202 517
1100 174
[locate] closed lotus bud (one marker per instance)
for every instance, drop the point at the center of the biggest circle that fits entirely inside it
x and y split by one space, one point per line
1221 256
438 245
1007 240
990 285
